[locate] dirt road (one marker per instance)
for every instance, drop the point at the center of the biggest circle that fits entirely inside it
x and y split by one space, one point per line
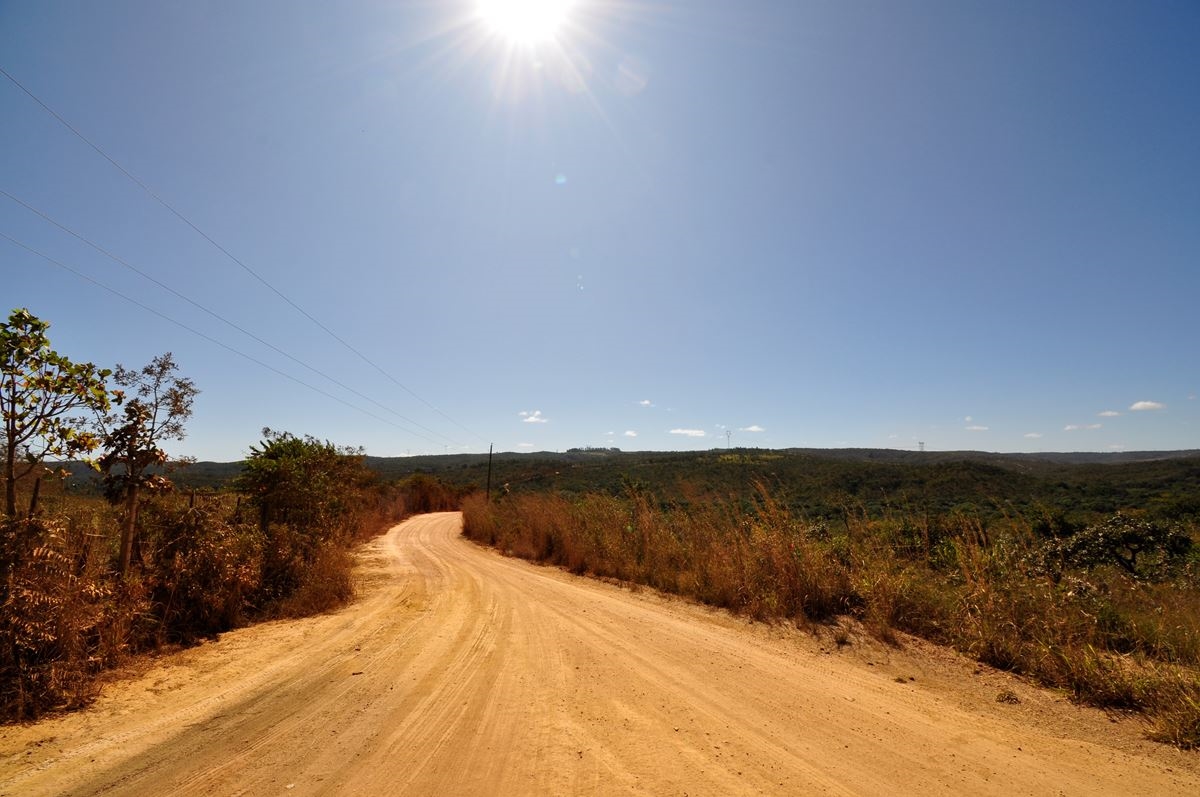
461 672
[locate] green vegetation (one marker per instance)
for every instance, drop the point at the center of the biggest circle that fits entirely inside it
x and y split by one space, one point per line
825 484
162 403
306 497
84 582
40 393
830 484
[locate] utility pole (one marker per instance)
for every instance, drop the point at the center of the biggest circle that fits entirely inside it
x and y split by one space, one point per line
489 481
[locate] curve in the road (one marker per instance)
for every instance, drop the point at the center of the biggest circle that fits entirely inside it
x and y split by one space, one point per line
462 672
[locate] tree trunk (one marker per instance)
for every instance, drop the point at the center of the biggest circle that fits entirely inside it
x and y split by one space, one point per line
131 505
10 481
33 502
8 404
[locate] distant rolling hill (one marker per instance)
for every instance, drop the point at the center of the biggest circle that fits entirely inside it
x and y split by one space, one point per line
818 482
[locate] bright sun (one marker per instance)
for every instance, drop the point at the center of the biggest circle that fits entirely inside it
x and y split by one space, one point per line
525 21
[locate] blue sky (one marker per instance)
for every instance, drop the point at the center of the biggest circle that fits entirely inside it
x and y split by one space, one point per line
970 224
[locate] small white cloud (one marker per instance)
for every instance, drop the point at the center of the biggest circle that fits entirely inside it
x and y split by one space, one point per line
1076 427
752 428
968 419
646 403
532 417
1192 397
689 432
1142 406
1116 447
630 433
1033 435
524 445
976 428
1108 414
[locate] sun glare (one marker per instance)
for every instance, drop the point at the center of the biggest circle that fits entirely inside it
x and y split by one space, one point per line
525 21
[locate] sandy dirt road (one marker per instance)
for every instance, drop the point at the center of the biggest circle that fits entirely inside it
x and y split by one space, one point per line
461 672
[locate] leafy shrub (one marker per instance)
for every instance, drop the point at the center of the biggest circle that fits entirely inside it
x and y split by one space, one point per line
205 571
308 497
50 605
1144 549
313 487
324 584
424 493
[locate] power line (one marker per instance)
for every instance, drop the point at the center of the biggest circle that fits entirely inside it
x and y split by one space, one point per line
213 313
209 338
230 255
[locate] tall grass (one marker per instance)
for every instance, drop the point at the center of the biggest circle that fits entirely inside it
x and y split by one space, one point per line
1108 638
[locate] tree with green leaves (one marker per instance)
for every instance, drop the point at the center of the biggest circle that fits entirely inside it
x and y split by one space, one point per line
301 481
42 396
1142 548
308 495
157 404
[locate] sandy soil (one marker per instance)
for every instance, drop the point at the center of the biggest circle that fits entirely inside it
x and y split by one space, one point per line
461 672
